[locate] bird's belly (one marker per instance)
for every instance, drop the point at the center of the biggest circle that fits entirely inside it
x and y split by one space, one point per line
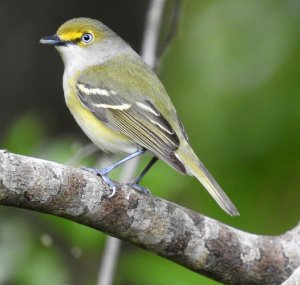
101 135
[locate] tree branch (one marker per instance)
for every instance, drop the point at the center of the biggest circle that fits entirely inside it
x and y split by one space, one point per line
199 243
294 279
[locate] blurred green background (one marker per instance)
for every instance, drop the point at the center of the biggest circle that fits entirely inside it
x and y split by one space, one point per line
233 74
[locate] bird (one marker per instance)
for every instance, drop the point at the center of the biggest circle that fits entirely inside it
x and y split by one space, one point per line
122 106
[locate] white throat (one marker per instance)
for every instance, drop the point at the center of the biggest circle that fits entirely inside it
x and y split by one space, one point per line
77 58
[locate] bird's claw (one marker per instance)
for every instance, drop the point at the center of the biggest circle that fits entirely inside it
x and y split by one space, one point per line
103 173
139 188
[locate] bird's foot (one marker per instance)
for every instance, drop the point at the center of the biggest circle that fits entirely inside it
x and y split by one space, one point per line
104 174
139 188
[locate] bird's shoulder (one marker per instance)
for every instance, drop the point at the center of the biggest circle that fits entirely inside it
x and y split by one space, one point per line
127 76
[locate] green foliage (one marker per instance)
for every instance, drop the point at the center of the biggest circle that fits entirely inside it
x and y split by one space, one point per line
155 270
24 134
50 271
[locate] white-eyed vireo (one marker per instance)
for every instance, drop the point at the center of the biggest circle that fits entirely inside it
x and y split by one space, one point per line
121 105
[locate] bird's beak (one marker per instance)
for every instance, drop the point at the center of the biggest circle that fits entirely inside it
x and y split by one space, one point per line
53 40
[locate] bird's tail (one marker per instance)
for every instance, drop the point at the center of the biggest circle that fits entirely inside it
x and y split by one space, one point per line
196 168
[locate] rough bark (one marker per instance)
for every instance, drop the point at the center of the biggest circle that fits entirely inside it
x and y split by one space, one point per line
197 242
294 279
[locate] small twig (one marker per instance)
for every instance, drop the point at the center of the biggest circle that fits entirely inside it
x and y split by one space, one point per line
172 31
109 261
151 33
82 153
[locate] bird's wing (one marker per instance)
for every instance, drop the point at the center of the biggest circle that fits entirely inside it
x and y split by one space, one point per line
132 115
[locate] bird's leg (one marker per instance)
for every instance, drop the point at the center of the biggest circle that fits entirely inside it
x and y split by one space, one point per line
139 178
135 182
106 170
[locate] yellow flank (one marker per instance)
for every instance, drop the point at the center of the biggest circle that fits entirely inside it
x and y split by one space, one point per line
102 136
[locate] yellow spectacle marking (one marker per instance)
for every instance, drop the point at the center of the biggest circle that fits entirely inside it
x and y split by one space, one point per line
70 35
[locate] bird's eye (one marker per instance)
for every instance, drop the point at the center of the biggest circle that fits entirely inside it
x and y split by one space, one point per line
87 38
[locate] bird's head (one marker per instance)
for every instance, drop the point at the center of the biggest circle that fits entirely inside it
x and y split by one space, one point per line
85 40
81 32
